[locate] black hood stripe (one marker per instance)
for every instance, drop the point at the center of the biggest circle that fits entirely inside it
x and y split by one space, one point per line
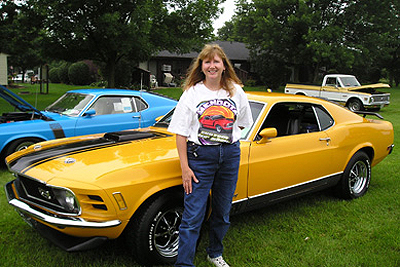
29 161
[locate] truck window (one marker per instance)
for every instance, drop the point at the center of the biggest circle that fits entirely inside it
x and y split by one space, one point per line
331 81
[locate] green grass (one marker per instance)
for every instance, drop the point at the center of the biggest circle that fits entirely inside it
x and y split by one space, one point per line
315 230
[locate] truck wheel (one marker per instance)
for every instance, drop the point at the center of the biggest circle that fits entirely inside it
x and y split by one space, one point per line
355 105
153 234
356 177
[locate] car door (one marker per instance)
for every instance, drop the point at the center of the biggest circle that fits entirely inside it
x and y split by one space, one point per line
113 113
299 155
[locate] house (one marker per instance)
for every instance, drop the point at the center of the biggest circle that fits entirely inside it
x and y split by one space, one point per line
166 64
3 69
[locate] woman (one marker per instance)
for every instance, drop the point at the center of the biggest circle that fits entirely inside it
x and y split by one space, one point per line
207 121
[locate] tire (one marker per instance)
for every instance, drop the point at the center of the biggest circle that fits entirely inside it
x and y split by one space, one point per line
356 177
20 144
218 128
153 235
355 105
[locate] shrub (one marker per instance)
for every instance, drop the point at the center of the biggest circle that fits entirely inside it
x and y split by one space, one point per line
251 83
53 75
63 72
78 73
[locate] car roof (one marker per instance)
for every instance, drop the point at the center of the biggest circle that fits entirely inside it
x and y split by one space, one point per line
106 91
339 75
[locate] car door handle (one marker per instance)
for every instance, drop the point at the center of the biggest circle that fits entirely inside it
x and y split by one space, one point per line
327 139
136 116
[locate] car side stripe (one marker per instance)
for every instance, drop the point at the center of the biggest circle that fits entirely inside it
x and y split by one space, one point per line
57 130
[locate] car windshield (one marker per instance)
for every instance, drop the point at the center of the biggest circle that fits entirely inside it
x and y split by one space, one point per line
164 122
70 104
350 81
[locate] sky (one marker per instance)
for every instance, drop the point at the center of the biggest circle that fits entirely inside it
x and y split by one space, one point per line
229 7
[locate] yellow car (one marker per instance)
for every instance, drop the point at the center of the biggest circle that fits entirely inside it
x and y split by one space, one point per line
81 191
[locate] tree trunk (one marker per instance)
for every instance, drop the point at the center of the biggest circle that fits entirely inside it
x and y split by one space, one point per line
111 74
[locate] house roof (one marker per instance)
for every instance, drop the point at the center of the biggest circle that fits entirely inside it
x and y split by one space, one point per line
234 51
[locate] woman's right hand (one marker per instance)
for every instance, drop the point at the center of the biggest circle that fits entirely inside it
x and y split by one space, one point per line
187 178
187 173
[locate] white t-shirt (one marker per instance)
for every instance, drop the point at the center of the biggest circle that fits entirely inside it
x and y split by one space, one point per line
209 117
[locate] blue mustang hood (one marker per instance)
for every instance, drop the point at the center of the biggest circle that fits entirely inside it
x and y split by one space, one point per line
16 101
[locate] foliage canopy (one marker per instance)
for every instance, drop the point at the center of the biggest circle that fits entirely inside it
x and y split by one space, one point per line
107 31
300 39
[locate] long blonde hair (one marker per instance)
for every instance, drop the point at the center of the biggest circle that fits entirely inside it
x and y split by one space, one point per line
195 75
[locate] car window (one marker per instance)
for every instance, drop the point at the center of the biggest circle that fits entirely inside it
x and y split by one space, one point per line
114 105
70 104
140 104
256 108
296 118
324 119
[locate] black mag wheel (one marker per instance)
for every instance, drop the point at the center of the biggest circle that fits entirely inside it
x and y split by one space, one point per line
153 234
356 177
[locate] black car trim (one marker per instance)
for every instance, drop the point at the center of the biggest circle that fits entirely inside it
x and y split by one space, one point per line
29 161
269 198
57 130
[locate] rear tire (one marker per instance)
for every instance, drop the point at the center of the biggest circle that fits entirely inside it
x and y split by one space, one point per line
153 234
356 177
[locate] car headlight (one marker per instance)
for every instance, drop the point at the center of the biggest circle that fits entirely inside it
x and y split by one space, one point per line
67 200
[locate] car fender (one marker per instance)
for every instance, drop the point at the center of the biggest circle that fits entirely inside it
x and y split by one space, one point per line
365 102
153 191
366 147
13 138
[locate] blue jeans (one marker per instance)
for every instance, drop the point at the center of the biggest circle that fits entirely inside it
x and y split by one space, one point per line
216 167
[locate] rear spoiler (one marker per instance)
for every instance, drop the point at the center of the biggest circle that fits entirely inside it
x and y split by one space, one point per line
365 113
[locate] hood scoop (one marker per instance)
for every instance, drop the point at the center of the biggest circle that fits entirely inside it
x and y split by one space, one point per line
123 136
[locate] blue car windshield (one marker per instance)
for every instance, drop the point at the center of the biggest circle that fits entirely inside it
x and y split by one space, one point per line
70 104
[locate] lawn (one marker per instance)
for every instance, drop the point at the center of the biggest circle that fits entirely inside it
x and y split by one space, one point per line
315 230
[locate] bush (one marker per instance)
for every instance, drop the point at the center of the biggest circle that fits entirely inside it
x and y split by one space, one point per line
63 72
53 75
251 83
78 73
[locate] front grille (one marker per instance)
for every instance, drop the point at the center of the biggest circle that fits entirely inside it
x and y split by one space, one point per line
38 193
381 99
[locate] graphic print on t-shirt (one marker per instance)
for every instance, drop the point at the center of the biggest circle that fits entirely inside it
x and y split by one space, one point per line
216 119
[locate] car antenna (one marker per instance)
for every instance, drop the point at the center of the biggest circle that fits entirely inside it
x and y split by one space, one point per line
141 87
36 99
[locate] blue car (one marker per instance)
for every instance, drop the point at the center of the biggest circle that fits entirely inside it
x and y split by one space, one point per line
78 112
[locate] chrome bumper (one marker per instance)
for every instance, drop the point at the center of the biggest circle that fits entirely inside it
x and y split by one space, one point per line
25 210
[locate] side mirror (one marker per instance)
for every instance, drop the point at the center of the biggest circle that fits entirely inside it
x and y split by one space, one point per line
266 134
89 113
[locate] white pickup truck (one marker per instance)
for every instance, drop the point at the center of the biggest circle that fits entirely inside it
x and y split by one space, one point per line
345 90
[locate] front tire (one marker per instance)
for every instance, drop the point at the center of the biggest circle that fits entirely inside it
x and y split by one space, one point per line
153 234
355 105
356 177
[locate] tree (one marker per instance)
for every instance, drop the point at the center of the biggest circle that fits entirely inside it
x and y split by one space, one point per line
107 31
305 38
301 35
372 31
19 31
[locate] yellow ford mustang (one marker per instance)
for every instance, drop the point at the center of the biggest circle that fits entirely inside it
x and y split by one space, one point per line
81 191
